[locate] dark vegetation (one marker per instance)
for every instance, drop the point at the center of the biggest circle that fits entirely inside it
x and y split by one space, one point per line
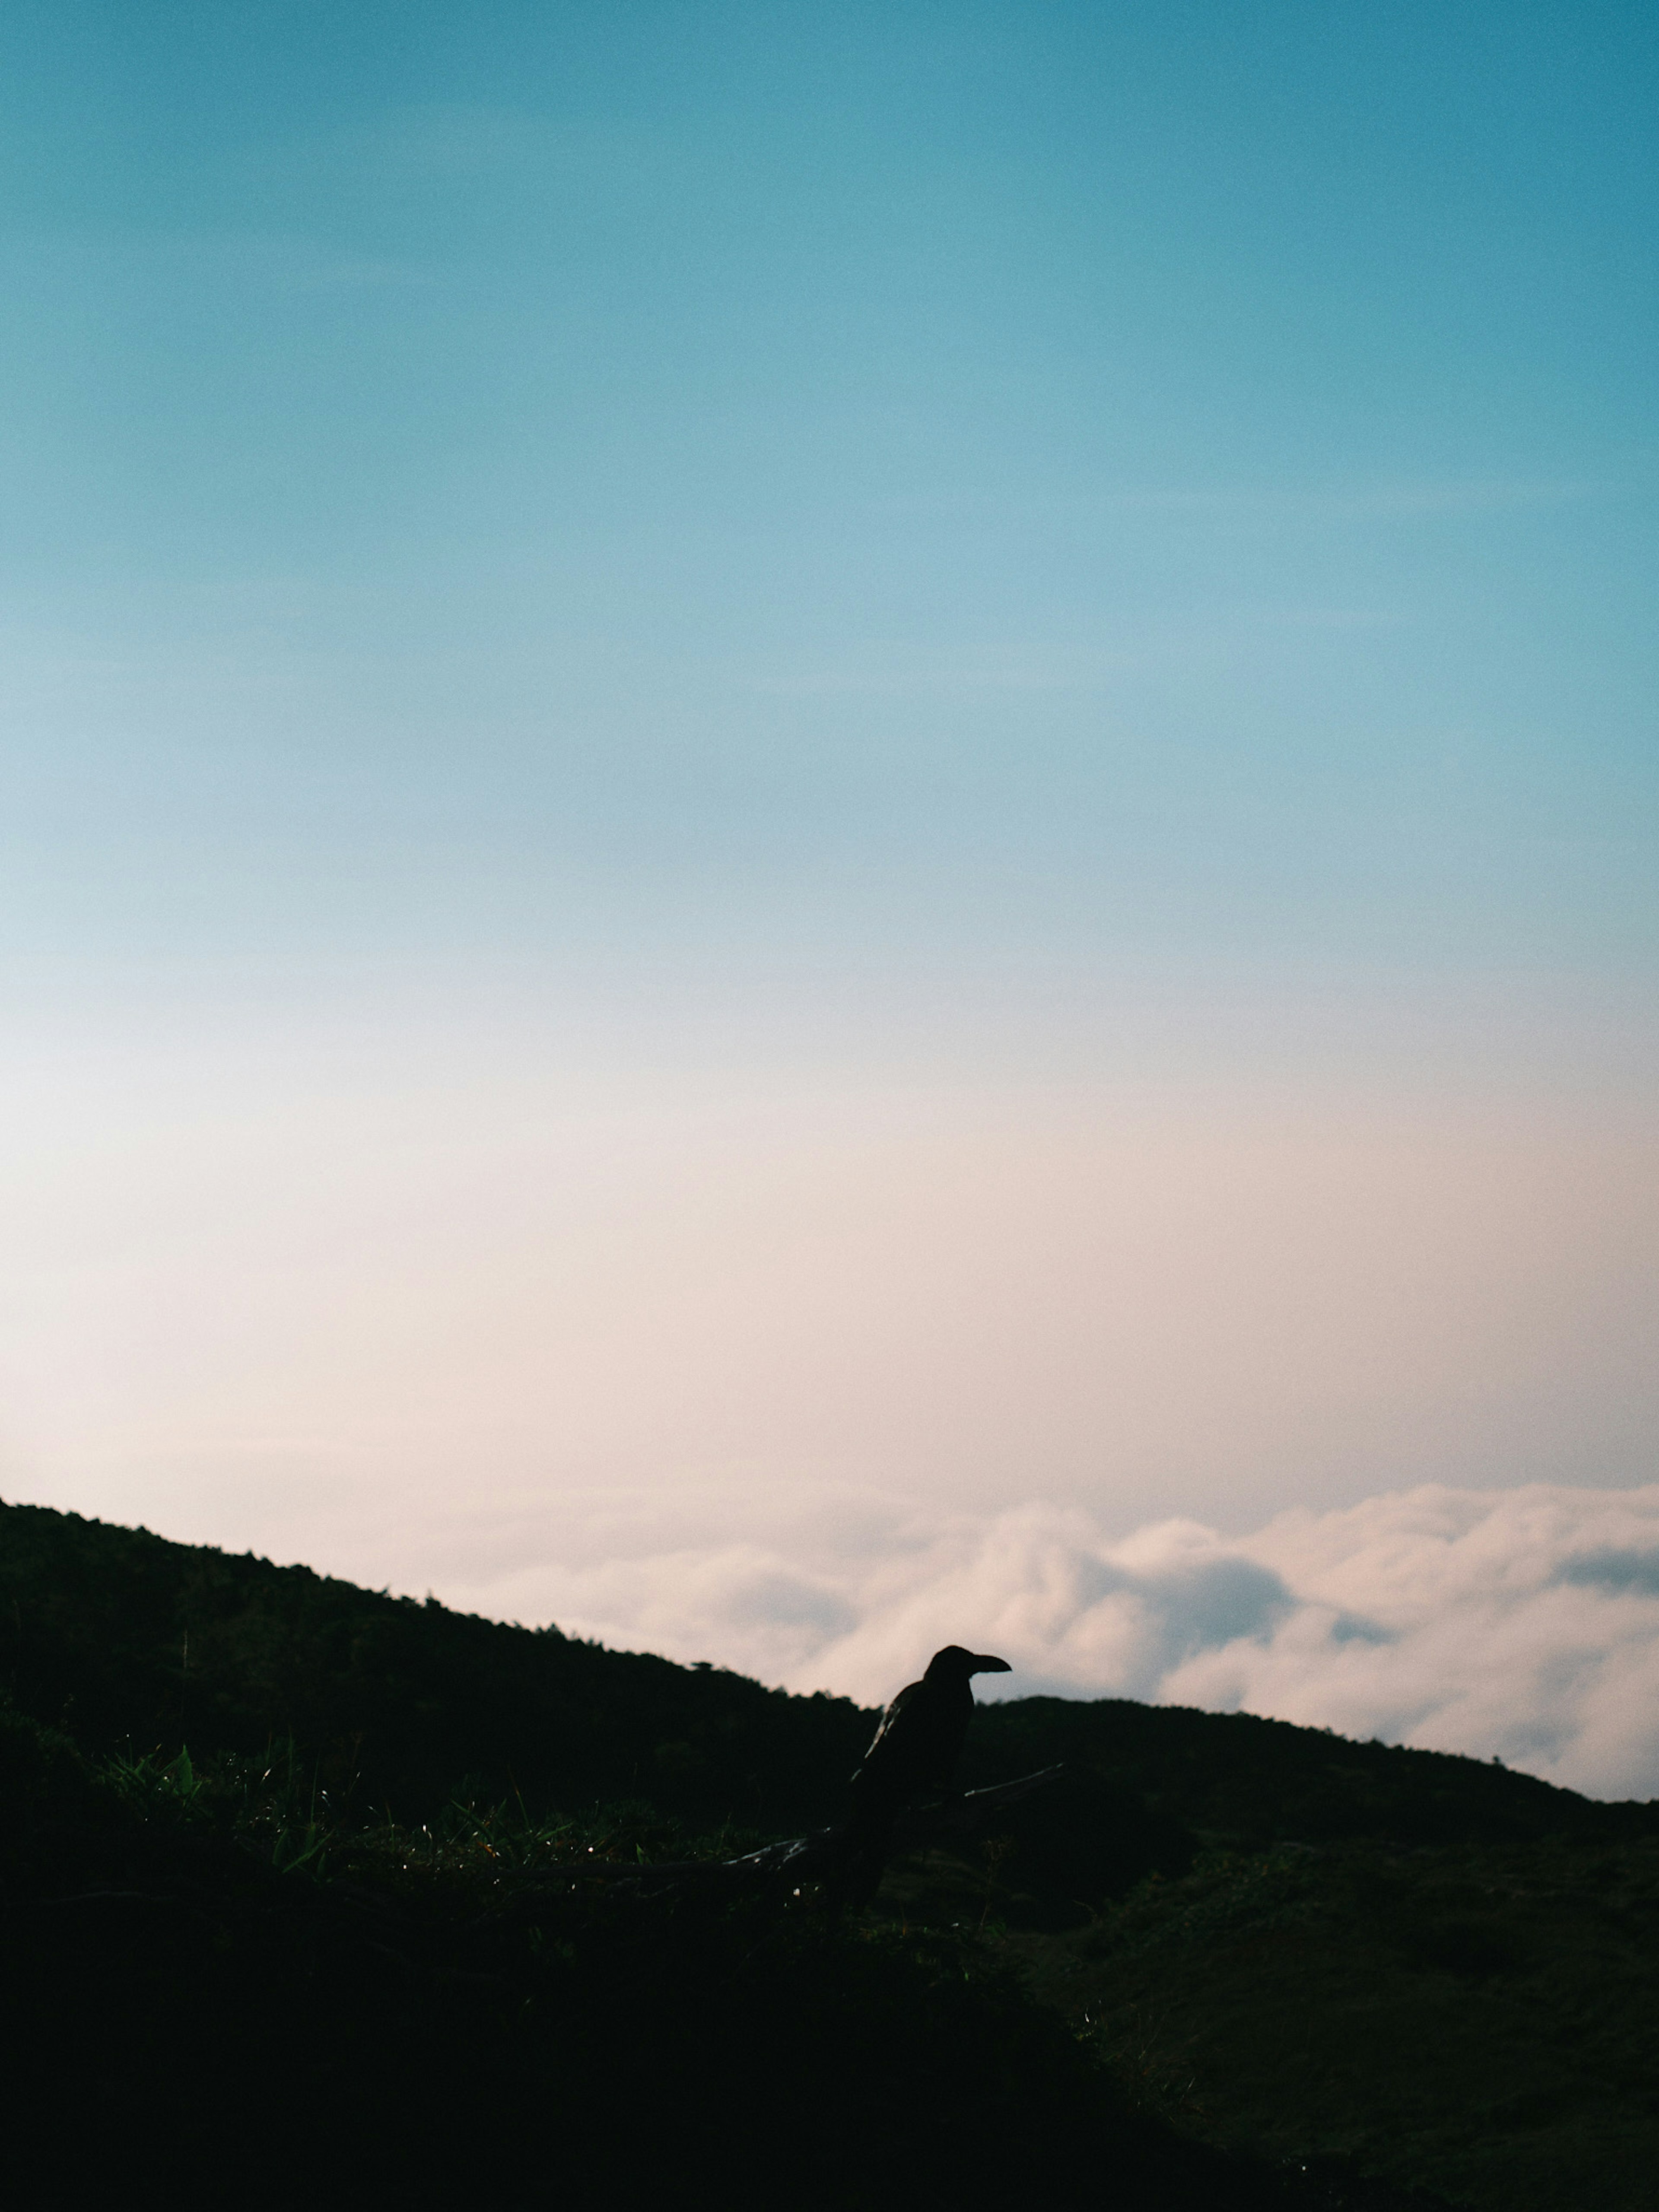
373 1929
118 1637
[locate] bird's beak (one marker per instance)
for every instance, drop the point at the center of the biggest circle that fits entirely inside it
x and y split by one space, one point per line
985 1664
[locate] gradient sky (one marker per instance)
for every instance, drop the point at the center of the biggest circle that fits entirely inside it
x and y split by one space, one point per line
823 754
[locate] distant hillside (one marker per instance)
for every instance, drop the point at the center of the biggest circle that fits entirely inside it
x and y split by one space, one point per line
208 1962
1276 1969
120 1637
124 1639
1151 1786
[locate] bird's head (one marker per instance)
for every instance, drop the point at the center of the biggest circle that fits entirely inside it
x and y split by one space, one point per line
956 1664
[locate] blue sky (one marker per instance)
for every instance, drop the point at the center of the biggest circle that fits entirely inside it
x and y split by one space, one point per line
895 753
1063 479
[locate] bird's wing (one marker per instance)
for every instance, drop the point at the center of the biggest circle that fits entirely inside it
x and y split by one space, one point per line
889 1717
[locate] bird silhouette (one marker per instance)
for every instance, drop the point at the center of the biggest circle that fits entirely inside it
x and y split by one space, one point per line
914 1750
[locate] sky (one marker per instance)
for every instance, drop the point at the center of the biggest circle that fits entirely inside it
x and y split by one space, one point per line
829 828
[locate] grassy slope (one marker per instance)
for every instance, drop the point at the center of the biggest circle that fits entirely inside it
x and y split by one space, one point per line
1480 2019
1280 1939
123 1638
1445 1971
201 1984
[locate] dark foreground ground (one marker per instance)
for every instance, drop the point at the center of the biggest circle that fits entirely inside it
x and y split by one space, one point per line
372 1934
1482 2021
202 1984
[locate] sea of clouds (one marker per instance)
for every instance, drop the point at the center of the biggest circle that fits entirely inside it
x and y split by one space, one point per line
1520 1625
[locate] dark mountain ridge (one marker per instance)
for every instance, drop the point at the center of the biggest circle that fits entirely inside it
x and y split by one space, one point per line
124 1639
1226 1963
250 1961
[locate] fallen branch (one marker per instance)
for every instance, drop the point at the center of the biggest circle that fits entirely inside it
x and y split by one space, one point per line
818 1856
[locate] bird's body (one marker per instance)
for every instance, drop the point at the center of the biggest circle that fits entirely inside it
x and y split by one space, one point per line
914 1750
920 1736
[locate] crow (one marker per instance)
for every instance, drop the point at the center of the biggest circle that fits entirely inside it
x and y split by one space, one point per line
914 1750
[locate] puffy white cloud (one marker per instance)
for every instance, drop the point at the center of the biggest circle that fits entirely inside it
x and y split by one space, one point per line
1519 1624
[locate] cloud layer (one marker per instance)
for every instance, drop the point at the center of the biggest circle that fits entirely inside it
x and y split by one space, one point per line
1522 1624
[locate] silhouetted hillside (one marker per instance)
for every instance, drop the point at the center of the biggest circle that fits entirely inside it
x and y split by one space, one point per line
123 1638
384 1888
1236 1778
203 1986
1482 2019
1151 1786
128 1640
